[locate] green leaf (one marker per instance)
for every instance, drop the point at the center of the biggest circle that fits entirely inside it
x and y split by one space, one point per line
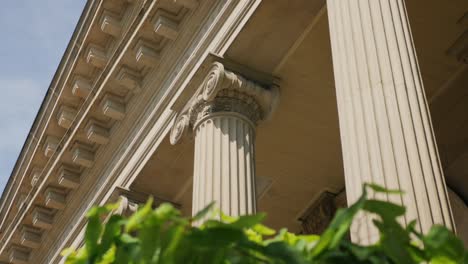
417 254
361 253
216 237
163 236
384 209
94 228
109 256
137 218
380 189
201 214
227 218
93 231
112 230
67 251
152 235
248 221
263 230
394 240
443 246
212 223
128 239
128 249
310 241
78 257
339 226
253 236
174 238
280 251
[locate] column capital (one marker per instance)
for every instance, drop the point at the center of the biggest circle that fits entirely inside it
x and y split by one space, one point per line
225 92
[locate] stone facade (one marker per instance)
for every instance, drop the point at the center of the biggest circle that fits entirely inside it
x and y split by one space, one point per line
272 106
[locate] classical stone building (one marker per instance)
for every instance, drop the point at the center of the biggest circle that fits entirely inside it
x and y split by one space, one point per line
282 106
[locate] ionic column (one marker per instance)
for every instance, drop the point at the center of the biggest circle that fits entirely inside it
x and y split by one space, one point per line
223 115
386 129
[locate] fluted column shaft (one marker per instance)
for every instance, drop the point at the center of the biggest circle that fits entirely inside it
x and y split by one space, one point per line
224 168
223 114
385 126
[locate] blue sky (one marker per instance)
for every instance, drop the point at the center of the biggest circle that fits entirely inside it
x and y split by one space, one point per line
34 35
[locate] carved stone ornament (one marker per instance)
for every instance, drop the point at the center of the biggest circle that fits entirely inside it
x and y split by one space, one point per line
126 207
225 92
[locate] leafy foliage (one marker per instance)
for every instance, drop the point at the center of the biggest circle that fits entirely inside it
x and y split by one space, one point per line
162 235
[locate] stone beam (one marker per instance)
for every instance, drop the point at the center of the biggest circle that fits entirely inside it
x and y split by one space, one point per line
42 217
97 133
18 255
83 157
68 178
30 237
129 78
165 27
66 116
81 87
96 56
110 24
146 54
55 198
113 107
51 145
